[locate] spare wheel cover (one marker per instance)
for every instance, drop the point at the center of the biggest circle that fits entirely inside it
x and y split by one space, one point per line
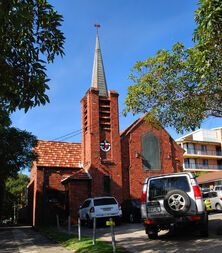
177 202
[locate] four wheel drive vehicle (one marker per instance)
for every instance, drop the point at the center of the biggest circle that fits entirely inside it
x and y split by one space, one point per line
172 200
131 210
212 198
101 208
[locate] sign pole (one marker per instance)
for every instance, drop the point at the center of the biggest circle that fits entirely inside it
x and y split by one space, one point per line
69 225
57 221
94 230
79 228
113 235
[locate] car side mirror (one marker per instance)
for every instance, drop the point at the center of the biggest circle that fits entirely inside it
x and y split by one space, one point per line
80 207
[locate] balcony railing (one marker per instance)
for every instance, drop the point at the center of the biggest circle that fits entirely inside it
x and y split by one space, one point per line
199 166
201 152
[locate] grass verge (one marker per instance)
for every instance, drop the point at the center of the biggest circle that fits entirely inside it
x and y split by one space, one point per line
71 242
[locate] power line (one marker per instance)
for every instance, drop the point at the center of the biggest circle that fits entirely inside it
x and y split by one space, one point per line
71 133
76 132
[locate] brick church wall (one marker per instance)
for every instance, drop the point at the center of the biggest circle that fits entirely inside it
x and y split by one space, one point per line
97 162
44 180
78 192
171 156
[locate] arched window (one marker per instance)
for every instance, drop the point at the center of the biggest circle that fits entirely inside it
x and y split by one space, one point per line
150 152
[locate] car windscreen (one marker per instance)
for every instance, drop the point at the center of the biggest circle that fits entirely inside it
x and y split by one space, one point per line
104 202
159 187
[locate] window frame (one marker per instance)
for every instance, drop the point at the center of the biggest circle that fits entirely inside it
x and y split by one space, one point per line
158 153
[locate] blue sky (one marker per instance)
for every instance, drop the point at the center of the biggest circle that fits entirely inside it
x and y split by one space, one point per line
131 30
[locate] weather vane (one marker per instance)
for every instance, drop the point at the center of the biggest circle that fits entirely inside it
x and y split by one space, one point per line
97 26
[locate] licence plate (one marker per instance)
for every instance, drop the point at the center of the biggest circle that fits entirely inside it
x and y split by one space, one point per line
153 209
106 209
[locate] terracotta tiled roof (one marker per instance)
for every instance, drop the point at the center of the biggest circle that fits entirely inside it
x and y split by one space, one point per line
58 154
79 175
210 177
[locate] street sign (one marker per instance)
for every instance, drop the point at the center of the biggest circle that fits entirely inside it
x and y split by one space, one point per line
110 223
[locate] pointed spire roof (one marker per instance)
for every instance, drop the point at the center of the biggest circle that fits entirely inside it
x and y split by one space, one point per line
98 75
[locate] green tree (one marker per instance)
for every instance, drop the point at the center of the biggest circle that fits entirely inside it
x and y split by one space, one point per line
182 87
15 196
30 37
15 154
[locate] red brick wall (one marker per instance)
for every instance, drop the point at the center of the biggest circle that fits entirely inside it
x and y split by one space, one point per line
116 168
133 171
97 163
125 167
78 192
52 178
37 198
90 140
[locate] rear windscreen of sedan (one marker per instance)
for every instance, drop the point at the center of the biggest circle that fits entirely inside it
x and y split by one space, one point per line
158 188
104 202
209 195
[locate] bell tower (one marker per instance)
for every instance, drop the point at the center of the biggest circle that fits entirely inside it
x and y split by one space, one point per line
101 149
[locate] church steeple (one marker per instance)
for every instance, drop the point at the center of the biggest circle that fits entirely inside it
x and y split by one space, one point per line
98 75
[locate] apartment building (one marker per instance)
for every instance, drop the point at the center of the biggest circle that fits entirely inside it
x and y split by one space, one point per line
202 150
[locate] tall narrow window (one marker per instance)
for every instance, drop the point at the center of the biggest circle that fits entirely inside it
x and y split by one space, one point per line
150 152
106 184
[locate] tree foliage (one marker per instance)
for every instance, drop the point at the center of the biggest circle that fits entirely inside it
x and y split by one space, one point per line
15 154
17 186
29 38
181 87
15 196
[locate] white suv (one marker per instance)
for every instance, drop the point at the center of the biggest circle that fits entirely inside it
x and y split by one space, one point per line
172 200
102 208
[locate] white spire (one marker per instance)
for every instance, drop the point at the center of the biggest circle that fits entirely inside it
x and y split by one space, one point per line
98 75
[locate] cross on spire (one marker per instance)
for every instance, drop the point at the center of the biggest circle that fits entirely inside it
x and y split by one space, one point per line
97 26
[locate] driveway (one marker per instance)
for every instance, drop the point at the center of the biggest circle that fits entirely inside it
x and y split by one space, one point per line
133 238
26 240
130 236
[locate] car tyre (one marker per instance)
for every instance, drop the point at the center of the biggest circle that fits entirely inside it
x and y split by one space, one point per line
82 222
89 222
117 221
177 202
218 207
204 226
152 236
152 232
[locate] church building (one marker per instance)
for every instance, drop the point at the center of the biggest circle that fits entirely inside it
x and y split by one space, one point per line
106 163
